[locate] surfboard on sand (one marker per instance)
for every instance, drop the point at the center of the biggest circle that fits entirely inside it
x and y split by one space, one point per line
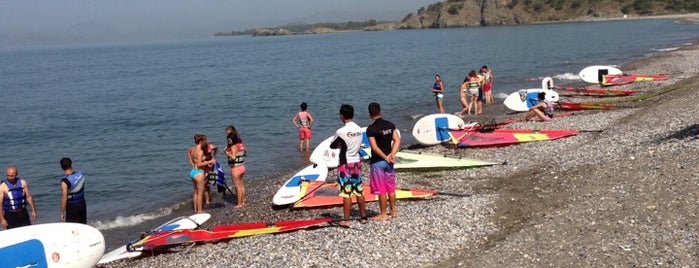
290 192
593 74
433 129
523 99
323 155
321 194
180 223
51 245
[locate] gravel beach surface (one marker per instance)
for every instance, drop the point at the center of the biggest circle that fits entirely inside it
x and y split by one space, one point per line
623 192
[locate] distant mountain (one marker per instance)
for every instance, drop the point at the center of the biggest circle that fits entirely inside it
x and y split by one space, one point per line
345 16
463 13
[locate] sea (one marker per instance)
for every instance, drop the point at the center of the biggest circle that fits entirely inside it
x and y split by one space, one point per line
127 112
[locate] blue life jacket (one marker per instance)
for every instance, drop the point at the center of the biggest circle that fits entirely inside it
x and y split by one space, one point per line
15 199
76 187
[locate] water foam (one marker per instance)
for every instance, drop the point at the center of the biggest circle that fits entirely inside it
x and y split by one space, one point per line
133 220
665 49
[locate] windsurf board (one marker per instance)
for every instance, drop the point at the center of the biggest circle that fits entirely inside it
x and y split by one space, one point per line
324 155
521 100
433 129
51 245
180 223
593 74
290 192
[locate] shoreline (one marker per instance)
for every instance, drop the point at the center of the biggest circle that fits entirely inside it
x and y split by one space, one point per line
548 206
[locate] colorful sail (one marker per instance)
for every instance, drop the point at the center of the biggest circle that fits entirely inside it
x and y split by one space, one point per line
573 106
623 79
221 232
503 137
600 92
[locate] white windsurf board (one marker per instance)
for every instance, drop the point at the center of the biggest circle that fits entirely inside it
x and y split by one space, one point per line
324 155
593 74
290 192
61 244
521 100
434 128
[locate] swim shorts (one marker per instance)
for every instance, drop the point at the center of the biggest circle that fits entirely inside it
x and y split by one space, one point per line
473 91
350 179
439 96
486 87
382 178
305 133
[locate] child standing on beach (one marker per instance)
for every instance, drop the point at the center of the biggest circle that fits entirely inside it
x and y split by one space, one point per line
384 141
303 120
349 140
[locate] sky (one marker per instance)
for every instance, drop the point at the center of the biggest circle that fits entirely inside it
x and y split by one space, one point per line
46 21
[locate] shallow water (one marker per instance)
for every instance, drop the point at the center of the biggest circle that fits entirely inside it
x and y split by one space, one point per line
126 113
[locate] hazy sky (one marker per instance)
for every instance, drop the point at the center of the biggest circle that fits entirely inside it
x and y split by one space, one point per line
94 20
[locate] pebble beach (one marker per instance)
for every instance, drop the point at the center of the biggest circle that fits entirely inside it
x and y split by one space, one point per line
623 192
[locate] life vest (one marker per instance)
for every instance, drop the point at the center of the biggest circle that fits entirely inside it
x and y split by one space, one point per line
473 82
303 118
208 155
16 198
436 86
239 156
76 187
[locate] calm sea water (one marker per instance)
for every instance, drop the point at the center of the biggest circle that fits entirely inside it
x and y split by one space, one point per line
126 113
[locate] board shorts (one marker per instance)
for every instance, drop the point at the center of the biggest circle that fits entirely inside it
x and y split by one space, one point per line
438 96
487 87
382 178
77 212
305 133
194 172
350 179
17 218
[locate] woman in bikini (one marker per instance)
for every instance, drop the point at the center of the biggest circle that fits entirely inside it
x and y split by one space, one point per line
236 153
195 156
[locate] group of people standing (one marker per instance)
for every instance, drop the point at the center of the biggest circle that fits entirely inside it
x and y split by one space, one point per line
16 197
384 141
202 159
475 90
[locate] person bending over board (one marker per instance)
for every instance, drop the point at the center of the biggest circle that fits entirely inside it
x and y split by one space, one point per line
543 110
349 171
236 152
303 120
438 90
384 141
195 156
15 196
73 205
